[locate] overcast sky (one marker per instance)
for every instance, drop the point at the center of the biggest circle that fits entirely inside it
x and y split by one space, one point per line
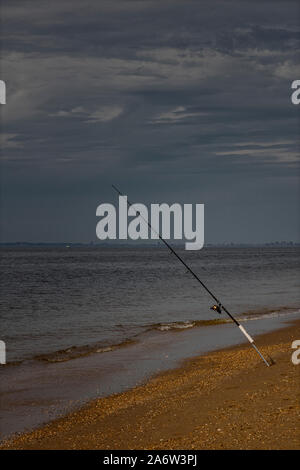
173 101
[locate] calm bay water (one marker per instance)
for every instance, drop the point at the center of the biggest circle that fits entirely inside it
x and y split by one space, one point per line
59 303
64 309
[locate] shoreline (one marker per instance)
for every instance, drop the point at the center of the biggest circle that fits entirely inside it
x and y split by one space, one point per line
229 392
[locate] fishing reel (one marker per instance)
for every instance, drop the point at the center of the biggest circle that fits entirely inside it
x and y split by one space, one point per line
217 308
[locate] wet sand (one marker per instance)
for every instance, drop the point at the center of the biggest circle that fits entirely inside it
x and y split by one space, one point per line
227 399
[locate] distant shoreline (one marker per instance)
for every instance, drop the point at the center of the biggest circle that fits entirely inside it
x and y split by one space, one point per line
149 245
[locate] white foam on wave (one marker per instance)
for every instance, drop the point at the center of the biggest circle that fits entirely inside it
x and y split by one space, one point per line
176 326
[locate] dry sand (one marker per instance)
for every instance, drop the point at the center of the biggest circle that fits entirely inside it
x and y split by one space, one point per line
225 400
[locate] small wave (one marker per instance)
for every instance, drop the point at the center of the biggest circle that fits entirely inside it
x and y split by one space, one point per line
258 314
75 352
182 325
108 349
267 313
174 326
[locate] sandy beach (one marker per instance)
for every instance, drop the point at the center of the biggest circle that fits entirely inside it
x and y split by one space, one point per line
224 400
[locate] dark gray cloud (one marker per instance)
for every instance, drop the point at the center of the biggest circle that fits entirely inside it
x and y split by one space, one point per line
174 101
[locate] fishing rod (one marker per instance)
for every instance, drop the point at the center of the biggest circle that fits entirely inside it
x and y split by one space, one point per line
218 307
